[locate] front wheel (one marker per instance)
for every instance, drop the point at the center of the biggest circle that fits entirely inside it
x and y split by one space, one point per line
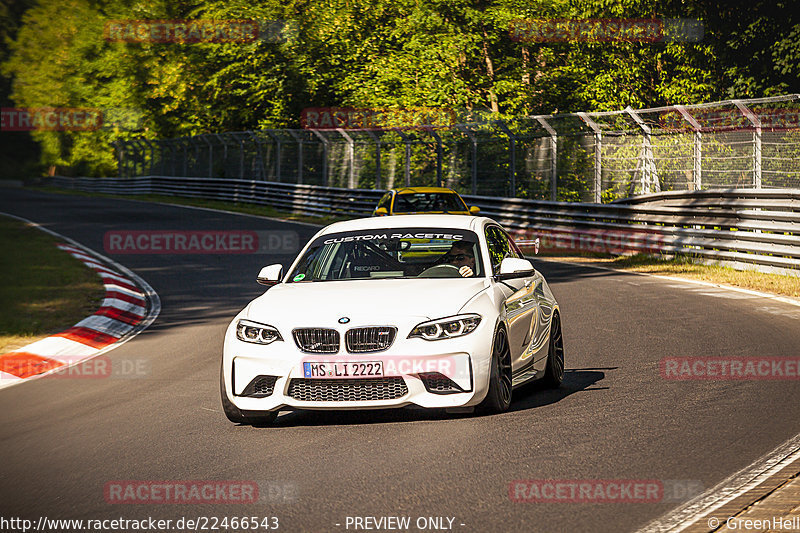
498 398
235 414
554 371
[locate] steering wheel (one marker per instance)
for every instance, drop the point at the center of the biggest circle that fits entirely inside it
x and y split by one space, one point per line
440 271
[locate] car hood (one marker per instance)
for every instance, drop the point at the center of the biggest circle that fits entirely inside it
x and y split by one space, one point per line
364 302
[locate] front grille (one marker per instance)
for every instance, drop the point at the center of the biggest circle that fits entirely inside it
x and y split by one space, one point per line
369 339
260 387
316 340
437 383
347 390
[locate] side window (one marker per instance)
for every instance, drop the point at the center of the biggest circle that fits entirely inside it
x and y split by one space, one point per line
385 200
512 246
499 247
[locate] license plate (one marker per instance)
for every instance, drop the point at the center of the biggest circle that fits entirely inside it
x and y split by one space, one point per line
337 370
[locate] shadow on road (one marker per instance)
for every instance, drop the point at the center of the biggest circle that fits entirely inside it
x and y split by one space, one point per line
556 272
575 380
527 397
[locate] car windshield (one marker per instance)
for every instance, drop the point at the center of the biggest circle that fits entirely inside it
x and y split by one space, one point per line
428 202
391 253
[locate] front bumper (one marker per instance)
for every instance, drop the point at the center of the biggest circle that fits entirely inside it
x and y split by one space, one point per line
440 374
291 389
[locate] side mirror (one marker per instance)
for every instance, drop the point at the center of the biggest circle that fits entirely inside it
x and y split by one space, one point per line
474 210
513 267
381 212
270 275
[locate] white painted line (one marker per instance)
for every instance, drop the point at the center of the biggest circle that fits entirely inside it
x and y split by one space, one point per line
729 489
775 297
7 380
785 299
723 294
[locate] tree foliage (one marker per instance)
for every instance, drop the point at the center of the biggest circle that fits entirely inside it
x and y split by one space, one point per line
455 54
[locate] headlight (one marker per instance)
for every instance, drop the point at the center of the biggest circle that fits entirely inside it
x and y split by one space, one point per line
249 331
446 328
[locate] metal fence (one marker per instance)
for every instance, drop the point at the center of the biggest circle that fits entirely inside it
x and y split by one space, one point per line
746 228
590 157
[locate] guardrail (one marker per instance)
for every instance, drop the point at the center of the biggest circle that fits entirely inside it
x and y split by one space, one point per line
746 228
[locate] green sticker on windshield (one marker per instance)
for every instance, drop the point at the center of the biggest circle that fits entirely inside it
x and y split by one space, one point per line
299 277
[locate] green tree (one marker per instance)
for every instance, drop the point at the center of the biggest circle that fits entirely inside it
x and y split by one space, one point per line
453 54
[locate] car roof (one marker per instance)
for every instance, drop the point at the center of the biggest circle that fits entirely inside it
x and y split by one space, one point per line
466 222
412 190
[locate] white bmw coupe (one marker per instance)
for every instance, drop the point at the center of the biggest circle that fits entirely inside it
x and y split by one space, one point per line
434 311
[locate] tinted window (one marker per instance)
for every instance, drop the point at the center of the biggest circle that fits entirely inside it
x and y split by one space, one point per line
500 246
391 253
387 198
427 201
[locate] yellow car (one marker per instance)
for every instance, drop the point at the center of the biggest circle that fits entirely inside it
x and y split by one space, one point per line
414 200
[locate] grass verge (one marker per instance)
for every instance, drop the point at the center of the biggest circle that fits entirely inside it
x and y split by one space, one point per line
685 267
45 290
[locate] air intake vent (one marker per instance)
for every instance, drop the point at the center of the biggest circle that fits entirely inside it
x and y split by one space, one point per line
437 383
260 387
347 390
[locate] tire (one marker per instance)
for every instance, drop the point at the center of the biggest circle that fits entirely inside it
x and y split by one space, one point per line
498 397
554 371
236 415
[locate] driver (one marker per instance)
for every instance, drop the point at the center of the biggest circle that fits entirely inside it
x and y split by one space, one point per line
460 256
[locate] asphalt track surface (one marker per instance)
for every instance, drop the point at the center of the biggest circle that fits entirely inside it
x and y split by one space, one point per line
615 417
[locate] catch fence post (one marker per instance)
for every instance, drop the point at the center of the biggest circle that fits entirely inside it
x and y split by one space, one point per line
553 157
598 156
